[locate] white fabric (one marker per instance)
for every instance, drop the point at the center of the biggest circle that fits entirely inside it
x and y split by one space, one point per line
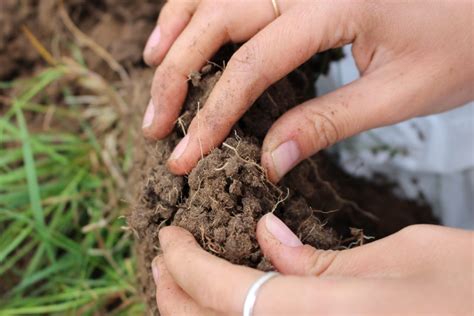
432 156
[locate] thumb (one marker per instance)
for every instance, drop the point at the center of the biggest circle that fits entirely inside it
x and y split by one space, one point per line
289 256
380 98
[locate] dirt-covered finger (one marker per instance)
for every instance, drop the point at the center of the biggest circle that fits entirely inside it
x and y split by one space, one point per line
174 16
170 298
268 56
215 283
289 256
192 49
372 101
212 282
213 24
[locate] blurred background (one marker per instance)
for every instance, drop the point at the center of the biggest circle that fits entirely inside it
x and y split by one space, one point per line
430 158
72 86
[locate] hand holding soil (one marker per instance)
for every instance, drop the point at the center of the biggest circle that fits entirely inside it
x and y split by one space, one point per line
410 272
414 59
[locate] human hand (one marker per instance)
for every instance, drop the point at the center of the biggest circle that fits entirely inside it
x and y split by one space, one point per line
422 269
415 58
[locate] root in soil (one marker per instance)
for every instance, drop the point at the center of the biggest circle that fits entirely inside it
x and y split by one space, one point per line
225 195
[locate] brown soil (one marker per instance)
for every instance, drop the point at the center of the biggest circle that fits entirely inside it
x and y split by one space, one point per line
222 199
121 27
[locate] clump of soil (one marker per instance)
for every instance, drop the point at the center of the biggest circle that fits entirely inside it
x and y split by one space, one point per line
225 195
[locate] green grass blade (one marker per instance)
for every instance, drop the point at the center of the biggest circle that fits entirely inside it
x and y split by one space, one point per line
15 243
33 186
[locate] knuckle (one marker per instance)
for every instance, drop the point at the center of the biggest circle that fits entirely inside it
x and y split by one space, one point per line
170 9
211 127
410 231
188 5
167 83
421 236
247 70
245 59
326 130
214 11
158 85
419 232
317 262
176 252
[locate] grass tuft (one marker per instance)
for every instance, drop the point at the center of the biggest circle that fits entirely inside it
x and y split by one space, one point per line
62 248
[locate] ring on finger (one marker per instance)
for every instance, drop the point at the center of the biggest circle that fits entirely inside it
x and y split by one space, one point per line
276 9
251 297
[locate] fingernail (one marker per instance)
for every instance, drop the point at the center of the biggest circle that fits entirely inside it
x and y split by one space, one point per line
155 271
281 232
285 157
149 114
180 148
153 40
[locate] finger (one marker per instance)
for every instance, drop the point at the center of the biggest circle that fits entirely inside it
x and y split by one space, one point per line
174 16
382 258
212 282
289 256
213 24
170 298
375 100
170 83
296 295
268 56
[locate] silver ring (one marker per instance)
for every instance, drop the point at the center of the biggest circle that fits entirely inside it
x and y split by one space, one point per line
276 9
253 291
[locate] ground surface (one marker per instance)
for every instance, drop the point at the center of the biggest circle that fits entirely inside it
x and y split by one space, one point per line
65 150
